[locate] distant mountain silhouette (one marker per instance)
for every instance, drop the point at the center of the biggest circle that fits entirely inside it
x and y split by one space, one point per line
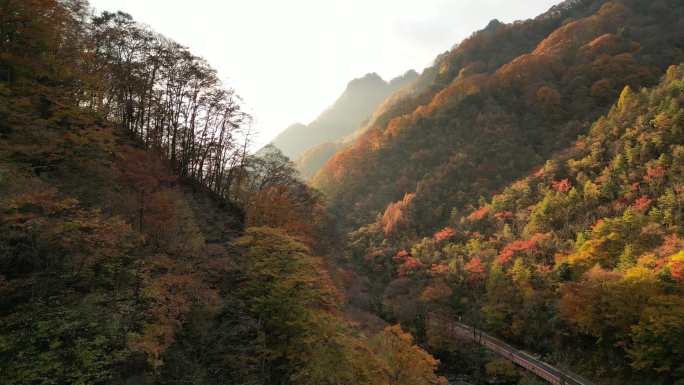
356 104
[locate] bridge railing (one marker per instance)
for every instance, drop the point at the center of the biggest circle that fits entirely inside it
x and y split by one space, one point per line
523 359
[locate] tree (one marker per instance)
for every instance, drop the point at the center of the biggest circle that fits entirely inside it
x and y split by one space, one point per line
144 174
607 304
404 362
658 338
53 249
396 214
274 195
304 339
502 370
169 99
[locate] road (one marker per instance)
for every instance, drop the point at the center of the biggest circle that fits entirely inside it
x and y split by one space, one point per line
543 370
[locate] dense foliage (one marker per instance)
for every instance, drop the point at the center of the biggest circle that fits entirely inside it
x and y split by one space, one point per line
118 70
497 105
580 261
125 188
140 243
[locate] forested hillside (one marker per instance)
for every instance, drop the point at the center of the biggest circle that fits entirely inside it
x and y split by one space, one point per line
314 158
580 261
139 242
309 145
498 105
530 183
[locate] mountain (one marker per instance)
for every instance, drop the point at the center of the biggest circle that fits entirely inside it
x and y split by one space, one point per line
580 261
498 105
311 160
314 158
361 97
530 186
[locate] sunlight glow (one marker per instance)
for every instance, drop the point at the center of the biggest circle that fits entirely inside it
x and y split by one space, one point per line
291 59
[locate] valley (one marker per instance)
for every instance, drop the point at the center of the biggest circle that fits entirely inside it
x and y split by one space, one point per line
512 214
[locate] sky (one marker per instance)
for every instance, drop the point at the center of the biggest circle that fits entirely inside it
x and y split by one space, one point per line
290 59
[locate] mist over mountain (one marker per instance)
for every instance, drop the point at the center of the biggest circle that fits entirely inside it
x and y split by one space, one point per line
311 160
358 101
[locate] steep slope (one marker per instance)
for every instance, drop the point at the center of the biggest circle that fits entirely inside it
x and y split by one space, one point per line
286 141
315 157
100 286
580 261
497 105
361 97
123 253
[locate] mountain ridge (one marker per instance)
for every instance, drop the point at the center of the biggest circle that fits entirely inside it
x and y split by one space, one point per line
360 97
591 241
529 76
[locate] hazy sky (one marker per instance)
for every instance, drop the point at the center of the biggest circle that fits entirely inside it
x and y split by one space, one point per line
290 59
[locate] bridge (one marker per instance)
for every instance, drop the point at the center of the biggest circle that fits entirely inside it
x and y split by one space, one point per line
540 368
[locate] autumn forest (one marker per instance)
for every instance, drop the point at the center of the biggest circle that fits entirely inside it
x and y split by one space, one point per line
511 214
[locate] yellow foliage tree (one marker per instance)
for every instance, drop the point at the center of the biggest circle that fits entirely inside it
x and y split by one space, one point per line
405 363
